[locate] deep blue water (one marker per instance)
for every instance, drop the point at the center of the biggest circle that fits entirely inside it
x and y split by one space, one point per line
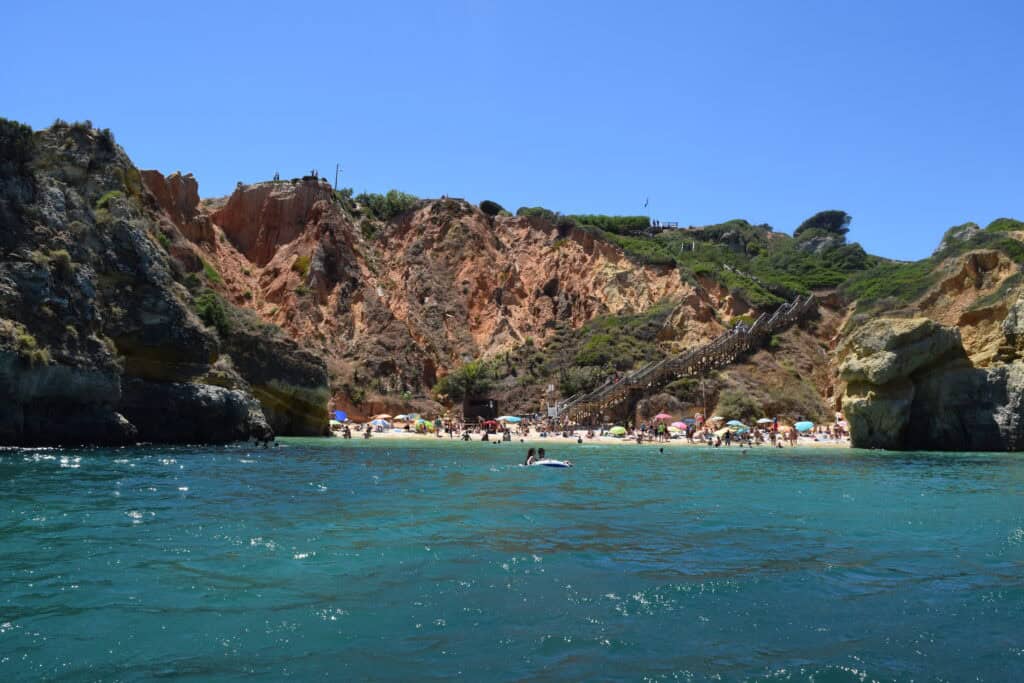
359 560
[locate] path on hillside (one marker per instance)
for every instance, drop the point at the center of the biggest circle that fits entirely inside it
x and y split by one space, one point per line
720 352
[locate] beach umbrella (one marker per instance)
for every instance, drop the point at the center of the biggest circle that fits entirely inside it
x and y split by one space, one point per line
510 418
382 416
679 425
617 431
735 423
662 416
804 426
340 415
716 417
380 422
490 424
765 421
403 417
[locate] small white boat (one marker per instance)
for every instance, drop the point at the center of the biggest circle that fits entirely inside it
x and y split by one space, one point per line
547 462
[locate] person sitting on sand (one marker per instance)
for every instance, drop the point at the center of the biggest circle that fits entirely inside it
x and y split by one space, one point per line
531 455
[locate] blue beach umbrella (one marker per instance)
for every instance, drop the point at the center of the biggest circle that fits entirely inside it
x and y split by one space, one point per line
510 418
803 426
340 415
380 423
735 423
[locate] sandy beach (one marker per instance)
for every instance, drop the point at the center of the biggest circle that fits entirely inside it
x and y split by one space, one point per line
535 439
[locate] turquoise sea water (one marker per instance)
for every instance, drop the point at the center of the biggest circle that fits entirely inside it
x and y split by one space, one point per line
356 560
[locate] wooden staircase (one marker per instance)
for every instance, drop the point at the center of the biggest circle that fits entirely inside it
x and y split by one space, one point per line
723 350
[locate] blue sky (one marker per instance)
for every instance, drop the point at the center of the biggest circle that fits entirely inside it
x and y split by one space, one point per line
908 115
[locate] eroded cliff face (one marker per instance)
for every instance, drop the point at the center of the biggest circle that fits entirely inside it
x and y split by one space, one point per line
99 339
393 305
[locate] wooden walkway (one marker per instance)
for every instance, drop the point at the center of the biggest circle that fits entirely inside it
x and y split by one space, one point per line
725 349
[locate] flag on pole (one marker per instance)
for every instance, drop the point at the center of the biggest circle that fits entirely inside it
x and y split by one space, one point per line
645 201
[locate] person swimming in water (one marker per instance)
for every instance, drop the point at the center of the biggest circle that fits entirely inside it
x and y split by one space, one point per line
531 455
540 454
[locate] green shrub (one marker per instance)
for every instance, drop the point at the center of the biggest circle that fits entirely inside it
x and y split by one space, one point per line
163 239
833 221
738 405
575 380
192 281
1005 225
387 206
898 280
105 198
16 143
211 310
466 381
301 265
619 225
211 273
302 290
538 212
29 349
491 208
60 261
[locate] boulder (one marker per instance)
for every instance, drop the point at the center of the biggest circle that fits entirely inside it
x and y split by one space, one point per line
171 412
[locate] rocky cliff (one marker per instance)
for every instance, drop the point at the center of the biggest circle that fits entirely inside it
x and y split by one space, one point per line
101 336
911 385
126 297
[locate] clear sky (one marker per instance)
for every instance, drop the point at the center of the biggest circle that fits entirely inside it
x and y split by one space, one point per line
907 115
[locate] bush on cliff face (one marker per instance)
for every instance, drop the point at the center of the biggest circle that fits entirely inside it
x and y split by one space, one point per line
538 212
301 266
737 405
579 380
15 143
211 310
467 381
17 337
491 208
211 273
387 206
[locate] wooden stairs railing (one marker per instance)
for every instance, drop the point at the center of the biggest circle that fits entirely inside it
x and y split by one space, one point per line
719 352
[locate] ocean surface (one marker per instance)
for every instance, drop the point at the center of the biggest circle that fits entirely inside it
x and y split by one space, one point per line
326 559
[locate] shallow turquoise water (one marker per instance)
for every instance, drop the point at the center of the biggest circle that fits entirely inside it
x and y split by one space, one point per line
385 561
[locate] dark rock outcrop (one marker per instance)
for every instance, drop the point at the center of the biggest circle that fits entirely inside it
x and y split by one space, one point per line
100 341
171 412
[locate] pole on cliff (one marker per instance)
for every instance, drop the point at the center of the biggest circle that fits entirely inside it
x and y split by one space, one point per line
337 170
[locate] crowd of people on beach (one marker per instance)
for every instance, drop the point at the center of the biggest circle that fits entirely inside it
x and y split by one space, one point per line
697 431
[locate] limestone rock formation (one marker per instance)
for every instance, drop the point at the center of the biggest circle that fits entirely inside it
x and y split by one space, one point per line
910 385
